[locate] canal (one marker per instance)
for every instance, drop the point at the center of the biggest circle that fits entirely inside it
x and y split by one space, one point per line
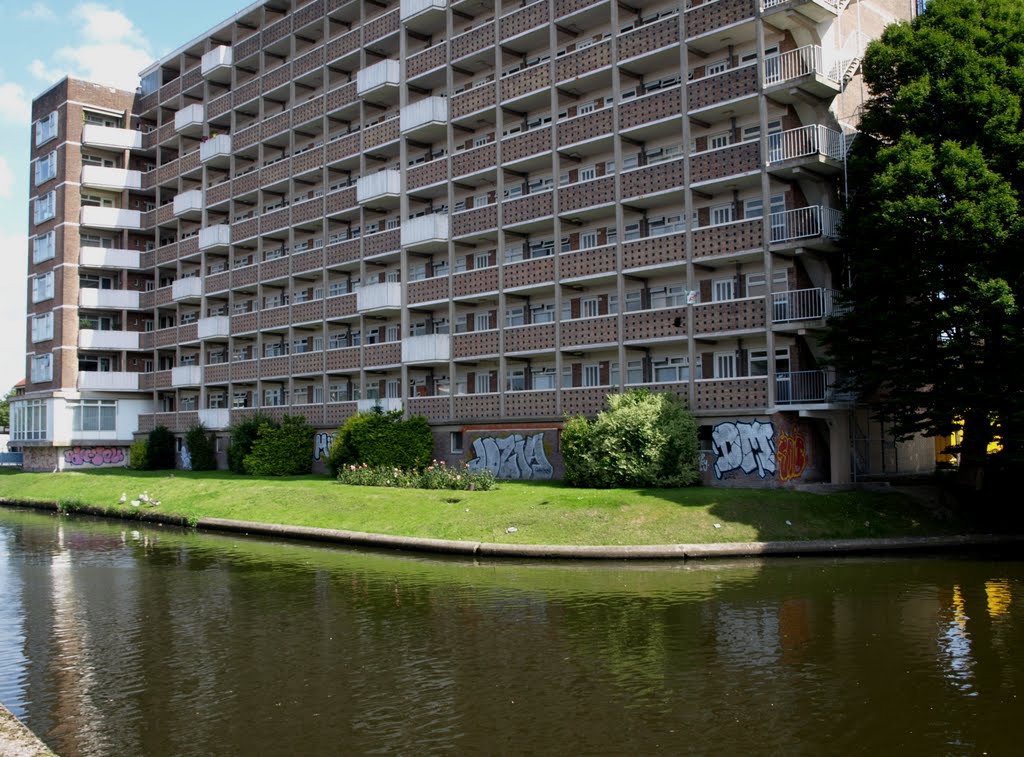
120 639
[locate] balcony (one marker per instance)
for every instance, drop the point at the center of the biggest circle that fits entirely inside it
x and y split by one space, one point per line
426 232
216 151
215 418
108 381
798 306
92 339
423 16
213 237
108 299
379 297
386 404
214 327
216 64
188 204
794 14
116 179
379 82
813 227
111 218
189 120
111 137
105 257
186 375
790 76
428 348
815 148
380 190
807 388
189 289
426 119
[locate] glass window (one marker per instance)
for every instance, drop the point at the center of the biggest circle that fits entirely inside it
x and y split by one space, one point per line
42 368
723 289
42 327
46 168
722 214
725 365
591 375
46 129
43 247
483 383
42 287
44 207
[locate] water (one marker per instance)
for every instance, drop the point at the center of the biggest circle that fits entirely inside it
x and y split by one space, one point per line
124 640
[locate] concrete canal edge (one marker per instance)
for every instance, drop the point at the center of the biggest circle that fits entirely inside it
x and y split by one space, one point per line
16 740
563 552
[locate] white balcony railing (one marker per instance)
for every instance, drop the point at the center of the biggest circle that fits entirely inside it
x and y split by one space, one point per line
188 288
93 339
108 381
191 118
833 5
186 375
805 223
425 229
412 8
105 257
111 137
802 305
806 141
214 326
427 348
108 299
215 148
386 296
220 57
386 183
189 201
386 73
795 64
117 179
426 112
111 218
218 235
804 387
386 404
215 418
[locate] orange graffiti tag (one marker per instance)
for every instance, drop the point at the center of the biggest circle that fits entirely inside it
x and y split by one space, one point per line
791 453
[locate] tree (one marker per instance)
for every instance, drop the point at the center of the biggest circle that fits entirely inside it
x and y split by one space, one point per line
243 437
932 331
379 438
643 439
200 449
160 449
285 450
5 409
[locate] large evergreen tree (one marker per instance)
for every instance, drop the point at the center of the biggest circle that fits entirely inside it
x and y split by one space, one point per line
933 230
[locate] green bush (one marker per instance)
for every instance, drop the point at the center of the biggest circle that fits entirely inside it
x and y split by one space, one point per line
377 438
160 450
283 451
243 436
643 439
200 448
137 455
434 476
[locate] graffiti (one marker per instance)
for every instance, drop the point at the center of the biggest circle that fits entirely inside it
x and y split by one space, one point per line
746 445
94 456
186 458
514 456
322 445
705 464
791 455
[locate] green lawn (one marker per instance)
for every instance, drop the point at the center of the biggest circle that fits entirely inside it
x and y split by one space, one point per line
543 513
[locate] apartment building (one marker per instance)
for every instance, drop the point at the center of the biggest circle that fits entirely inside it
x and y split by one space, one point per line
488 213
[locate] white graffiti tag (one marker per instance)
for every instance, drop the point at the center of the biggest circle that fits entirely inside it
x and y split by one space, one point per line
512 456
322 445
748 446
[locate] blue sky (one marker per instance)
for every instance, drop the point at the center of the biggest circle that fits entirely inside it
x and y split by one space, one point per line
107 42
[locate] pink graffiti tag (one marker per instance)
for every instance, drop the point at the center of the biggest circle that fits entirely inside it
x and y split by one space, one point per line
94 456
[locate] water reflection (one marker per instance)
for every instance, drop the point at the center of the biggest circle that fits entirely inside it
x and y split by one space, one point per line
123 641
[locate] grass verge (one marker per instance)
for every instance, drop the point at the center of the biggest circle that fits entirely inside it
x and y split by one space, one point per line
541 512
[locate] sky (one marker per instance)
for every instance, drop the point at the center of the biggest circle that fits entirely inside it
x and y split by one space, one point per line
104 42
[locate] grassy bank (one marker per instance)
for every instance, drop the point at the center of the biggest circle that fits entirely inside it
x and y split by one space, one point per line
542 512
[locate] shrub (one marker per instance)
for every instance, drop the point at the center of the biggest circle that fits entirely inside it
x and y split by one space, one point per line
377 438
434 476
643 439
137 455
200 448
286 450
160 450
243 436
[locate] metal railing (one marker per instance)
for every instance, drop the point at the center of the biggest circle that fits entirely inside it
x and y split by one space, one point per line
815 139
802 305
833 4
803 387
805 223
793 64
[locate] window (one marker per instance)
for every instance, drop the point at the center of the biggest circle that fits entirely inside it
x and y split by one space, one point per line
719 66
542 378
97 201
42 327
589 307
722 214
42 368
46 168
483 383
588 174
516 380
591 375
455 441
44 207
588 239
719 140
274 397
91 240
481 260
514 316
542 313
757 283
481 321
725 365
240 399
758 361
215 401
635 372
46 129
723 289
672 369
94 415
43 247
42 287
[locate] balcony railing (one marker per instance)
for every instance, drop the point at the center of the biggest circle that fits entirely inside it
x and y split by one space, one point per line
425 230
386 404
215 148
218 61
804 387
189 201
386 296
111 137
832 4
186 375
190 119
118 179
92 339
110 381
386 73
218 235
379 186
795 64
111 218
108 299
105 257
214 326
805 223
430 111
215 417
427 348
802 305
412 8
806 141
189 288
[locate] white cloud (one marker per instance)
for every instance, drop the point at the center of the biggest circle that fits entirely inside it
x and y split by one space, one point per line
6 178
38 12
111 50
12 309
14 104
